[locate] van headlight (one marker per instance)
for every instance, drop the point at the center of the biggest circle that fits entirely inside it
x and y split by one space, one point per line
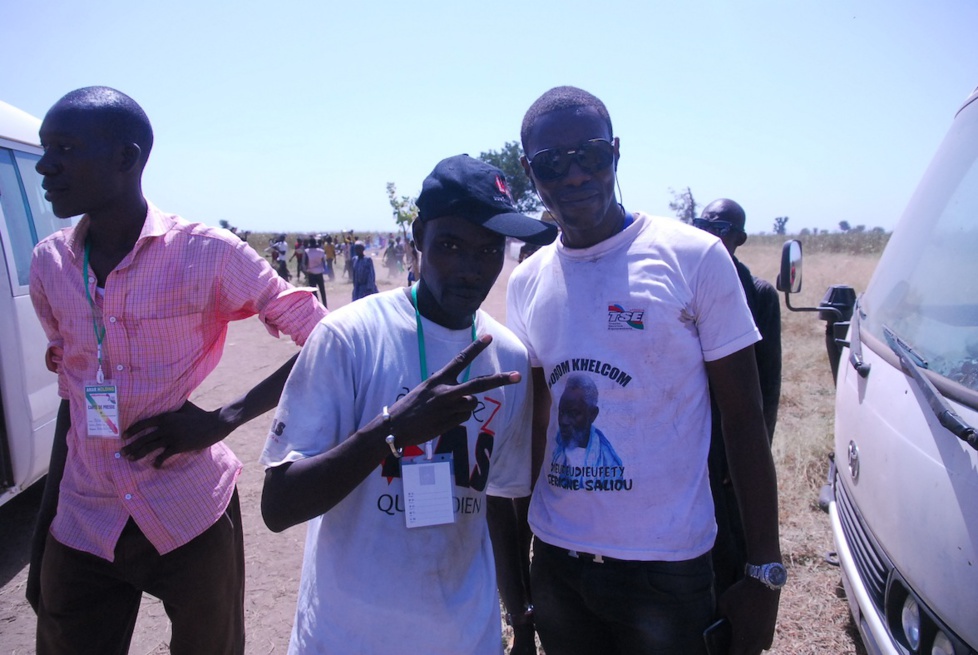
942 645
910 620
915 626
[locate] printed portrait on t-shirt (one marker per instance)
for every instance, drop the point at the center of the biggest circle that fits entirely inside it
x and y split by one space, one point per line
581 445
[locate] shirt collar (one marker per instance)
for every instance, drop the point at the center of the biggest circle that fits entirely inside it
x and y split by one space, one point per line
156 224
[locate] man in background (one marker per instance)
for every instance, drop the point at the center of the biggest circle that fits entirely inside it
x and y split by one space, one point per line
726 220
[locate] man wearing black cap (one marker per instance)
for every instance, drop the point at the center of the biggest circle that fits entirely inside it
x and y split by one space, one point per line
726 219
425 412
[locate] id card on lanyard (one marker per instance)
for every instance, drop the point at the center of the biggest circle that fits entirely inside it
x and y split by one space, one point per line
427 479
101 395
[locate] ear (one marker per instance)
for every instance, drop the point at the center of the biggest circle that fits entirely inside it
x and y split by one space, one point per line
593 413
417 231
616 143
525 163
131 156
741 238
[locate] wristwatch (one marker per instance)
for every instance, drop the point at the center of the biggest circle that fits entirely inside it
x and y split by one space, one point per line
772 576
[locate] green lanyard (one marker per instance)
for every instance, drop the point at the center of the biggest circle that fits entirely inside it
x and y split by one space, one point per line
422 353
99 335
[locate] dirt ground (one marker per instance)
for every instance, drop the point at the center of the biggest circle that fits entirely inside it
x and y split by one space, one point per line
273 560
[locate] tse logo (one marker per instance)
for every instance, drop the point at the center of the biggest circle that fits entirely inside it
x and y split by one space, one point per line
620 318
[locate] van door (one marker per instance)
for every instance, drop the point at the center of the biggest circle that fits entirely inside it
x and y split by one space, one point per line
27 390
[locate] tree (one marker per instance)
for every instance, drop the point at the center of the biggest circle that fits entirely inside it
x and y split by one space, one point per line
844 226
780 225
683 204
405 211
508 161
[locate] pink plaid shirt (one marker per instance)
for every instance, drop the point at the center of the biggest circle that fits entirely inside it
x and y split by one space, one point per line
165 308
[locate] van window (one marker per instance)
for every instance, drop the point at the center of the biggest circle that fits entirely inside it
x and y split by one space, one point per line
28 216
926 285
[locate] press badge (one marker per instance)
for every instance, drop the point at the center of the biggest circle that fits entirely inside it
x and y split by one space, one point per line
428 490
102 409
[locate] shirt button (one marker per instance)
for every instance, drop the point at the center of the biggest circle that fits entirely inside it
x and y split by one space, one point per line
118 455
128 496
112 319
119 367
90 279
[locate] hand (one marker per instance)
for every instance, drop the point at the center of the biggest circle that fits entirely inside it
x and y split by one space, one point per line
524 642
753 612
189 428
53 357
440 403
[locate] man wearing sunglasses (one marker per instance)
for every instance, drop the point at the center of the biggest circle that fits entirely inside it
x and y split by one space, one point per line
652 312
726 219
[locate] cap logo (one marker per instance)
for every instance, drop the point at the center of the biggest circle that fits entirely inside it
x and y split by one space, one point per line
501 185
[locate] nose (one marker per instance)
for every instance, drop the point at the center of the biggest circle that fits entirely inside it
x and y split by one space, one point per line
46 165
576 175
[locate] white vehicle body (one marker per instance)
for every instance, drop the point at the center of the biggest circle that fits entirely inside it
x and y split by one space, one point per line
904 507
28 391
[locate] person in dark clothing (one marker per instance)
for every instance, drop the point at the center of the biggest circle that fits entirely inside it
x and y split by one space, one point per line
726 219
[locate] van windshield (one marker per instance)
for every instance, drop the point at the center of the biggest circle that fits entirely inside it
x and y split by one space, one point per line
925 287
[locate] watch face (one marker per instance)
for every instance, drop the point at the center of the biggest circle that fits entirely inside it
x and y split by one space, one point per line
777 575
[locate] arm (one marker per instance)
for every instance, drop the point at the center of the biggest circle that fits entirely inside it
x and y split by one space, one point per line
511 549
192 428
297 491
768 352
49 502
541 420
751 607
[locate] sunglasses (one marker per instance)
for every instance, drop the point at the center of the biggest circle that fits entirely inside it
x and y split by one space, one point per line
716 228
592 156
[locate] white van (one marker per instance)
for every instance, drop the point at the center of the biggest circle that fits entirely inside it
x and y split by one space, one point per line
28 392
904 502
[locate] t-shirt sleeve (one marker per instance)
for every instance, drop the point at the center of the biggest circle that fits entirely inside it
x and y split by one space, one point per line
723 318
510 474
515 314
316 410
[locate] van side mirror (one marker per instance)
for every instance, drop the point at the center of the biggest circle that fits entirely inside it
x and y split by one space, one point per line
789 279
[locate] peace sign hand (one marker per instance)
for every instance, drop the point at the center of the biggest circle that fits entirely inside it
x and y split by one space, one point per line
441 402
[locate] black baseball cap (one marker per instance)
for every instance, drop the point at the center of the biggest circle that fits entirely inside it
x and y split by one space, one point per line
476 191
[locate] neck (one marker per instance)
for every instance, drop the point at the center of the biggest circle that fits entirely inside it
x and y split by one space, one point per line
116 231
612 223
431 310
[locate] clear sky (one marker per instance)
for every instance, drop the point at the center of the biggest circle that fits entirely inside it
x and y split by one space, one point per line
294 115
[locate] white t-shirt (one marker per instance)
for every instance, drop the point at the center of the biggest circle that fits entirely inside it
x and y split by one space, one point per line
315 260
637 315
369 584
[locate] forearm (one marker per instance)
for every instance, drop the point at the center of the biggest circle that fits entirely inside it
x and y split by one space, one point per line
754 479
56 467
261 398
507 547
540 421
298 491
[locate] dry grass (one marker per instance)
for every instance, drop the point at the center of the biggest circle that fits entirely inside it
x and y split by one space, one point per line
814 615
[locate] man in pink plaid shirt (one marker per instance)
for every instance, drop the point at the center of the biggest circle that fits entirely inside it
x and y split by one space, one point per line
135 304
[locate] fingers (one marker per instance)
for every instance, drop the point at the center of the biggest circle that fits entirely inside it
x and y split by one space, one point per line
455 367
142 446
52 358
484 383
143 425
